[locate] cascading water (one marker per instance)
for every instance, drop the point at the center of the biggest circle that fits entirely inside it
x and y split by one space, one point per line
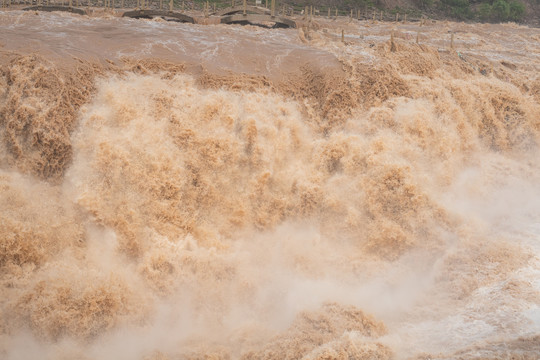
175 191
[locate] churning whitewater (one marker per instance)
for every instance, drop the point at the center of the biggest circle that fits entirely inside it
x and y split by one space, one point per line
179 191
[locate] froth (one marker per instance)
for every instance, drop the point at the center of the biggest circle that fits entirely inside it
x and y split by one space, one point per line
371 211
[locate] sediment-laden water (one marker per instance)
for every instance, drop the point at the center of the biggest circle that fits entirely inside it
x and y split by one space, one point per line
178 191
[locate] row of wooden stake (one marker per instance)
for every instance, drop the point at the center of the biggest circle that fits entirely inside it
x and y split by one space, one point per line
393 47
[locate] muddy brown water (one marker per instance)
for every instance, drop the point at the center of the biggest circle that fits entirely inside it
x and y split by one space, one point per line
179 191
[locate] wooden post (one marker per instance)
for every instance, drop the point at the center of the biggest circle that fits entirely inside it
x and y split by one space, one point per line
214 8
329 13
160 4
245 8
266 4
336 13
206 9
273 8
343 36
392 44
397 17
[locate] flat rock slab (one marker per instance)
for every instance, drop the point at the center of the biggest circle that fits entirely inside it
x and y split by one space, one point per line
56 8
258 19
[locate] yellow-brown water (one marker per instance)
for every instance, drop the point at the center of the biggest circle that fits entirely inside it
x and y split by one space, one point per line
174 191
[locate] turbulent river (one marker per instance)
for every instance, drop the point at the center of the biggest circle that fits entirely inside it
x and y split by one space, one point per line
180 191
